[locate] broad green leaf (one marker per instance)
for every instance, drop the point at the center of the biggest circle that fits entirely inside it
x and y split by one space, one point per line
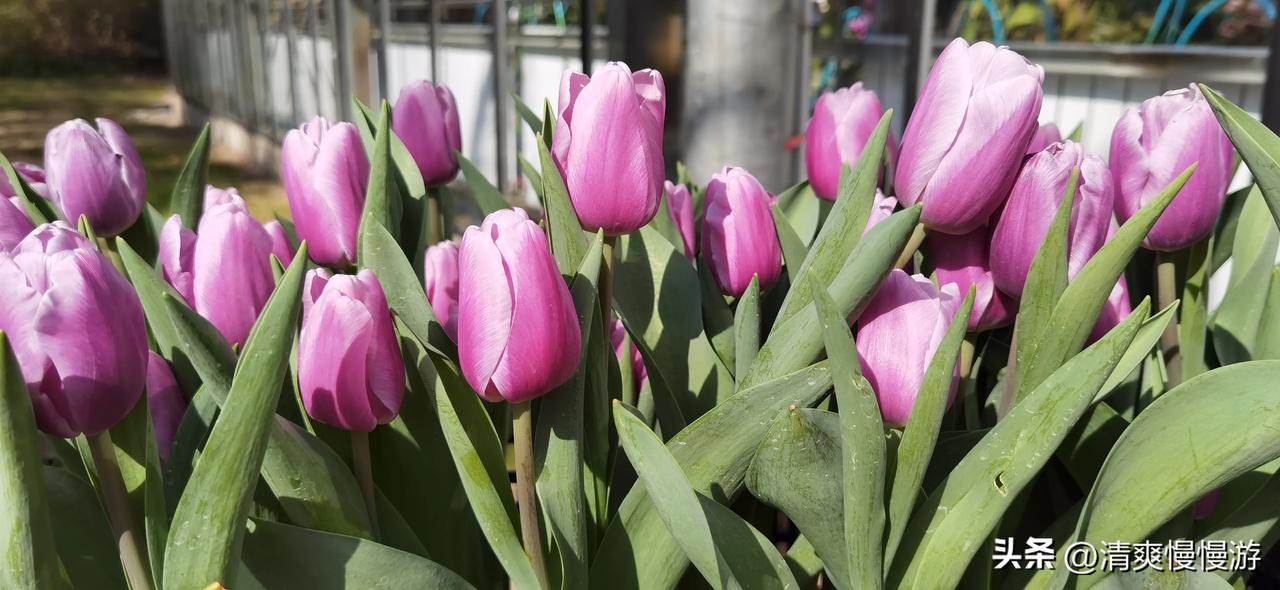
534 177
804 563
187 200
1077 133
382 196
487 196
568 242
1147 337
38 208
920 437
665 225
1257 145
208 525
315 487
81 533
132 438
527 115
713 452
746 327
793 343
558 437
793 249
843 227
283 556
1235 325
404 290
1152 579
724 548
144 234
30 559
411 187
155 508
804 212
1193 439
1267 343
954 522
717 317
1251 518
599 446
1193 320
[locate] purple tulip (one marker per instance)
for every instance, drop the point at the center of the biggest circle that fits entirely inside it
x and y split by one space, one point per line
1045 136
31 174
968 135
898 334
281 246
350 371
165 403
1034 201
738 236
518 335
881 208
1117 308
680 206
617 336
15 224
97 173
1151 145
608 146
77 328
223 269
425 118
440 278
325 172
962 261
841 125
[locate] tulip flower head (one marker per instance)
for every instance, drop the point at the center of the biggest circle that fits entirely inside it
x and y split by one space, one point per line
1045 136
31 174
680 206
15 224
1151 145
77 329
608 146
962 261
350 371
325 173
425 118
1034 201
898 335
842 123
165 404
518 335
738 237
440 277
968 134
95 172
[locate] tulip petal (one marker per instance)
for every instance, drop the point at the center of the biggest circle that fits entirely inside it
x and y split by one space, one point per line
484 311
332 355
232 269
939 114
176 257
15 224
384 364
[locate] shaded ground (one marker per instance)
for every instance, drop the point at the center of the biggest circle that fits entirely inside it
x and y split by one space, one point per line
143 106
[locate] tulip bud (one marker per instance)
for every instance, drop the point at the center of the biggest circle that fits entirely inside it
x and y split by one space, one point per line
281 246
617 336
97 173
223 270
1045 136
738 236
898 334
608 146
968 134
680 206
425 118
325 173
77 328
1034 202
165 403
440 278
841 125
31 174
15 224
962 261
1151 145
518 335
350 371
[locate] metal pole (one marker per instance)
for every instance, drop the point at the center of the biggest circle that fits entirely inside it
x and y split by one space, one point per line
291 41
384 31
314 26
501 87
919 52
587 27
342 54
1271 87
433 28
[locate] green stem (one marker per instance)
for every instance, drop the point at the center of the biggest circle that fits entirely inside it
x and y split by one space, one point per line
606 280
526 492
434 229
967 350
1166 294
364 475
913 244
119 514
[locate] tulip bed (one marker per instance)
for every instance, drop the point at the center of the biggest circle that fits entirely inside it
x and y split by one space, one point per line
880 377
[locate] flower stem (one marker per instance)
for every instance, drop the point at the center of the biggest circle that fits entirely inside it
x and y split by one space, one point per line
526 493
434 229
967 349
606 280
119 514
1166 293
913 244
364 475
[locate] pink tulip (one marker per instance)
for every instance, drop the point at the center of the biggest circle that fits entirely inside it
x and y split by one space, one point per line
881 208
31 174
962 261
898 335
95 172
617 336
968 134
608 146
325 173
441 282
426 120
77 328
841 125
165 403
1117 308
738 237
1151 145
281 246
680 206
350 371
15 224
222 270
1034 201
518 335
1045 136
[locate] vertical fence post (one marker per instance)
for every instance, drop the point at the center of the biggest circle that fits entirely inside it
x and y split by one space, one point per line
384 48
291 48
313 26
501 88
342 34
433 29
587 30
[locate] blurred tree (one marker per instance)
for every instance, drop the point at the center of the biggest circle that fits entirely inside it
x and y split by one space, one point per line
52 35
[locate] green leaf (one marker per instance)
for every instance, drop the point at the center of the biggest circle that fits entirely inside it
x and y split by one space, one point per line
665 225
1193 320
1193 439
38 208
30 560
283 556
792 344
382 197
487 196
315 487
568 242
80 532
713 452
1257 145
188 190
717 317
920 437
1235 325
535 178
383 256
408 180
529 117
746 327
1147 337
843 228
208 525
132 438
1248 518
953 523
144 234
804 211
720 544
155 509
794 251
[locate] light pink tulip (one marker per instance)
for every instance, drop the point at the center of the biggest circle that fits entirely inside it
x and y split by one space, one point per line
426 120
31 174
165 403
842 123
325 173
15 224
738 236
440 277
1046 135
962 261
680 206
95 172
